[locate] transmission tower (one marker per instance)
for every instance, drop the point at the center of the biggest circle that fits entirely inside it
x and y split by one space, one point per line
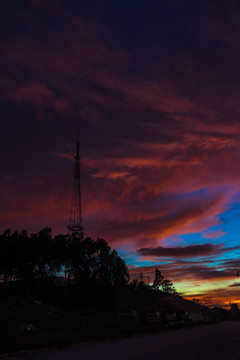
75 221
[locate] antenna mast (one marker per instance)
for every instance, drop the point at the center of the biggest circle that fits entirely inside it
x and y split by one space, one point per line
75 221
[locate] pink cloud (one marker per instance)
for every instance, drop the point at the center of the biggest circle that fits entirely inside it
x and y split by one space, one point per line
214 234
111 175
158 168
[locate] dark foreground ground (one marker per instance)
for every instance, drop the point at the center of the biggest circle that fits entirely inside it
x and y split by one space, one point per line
217 341
28 324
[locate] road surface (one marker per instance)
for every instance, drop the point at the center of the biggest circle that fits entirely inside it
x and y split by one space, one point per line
218 341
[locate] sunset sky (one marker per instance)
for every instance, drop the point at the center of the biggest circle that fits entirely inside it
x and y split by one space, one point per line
154 89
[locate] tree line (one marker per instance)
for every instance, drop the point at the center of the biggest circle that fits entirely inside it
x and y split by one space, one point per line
89 271
159 284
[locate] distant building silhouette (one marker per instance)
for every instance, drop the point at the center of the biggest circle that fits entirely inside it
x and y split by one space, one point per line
75 220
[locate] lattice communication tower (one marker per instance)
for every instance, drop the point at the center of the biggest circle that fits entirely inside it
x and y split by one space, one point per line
75 221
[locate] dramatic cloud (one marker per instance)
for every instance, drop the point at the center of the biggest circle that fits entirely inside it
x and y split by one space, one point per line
186 272
234 285
187 251
154 92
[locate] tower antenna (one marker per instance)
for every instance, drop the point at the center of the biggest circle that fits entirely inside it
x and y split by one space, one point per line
75 220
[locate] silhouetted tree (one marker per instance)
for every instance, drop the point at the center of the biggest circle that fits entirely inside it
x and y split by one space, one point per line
62 259
133 284
139 286
94 260
207 301
6 258
88 266
157 280
167 287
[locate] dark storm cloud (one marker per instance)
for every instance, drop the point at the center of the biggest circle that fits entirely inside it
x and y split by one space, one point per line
209 273
187 251
234 285
186 272
233 264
